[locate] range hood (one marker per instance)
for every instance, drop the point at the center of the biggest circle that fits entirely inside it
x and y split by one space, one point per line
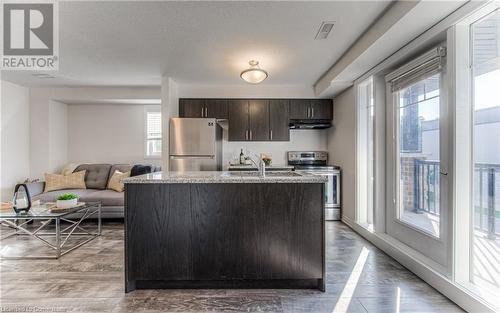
310 124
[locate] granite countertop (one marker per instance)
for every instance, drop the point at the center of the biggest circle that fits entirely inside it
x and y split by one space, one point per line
271 167
204 177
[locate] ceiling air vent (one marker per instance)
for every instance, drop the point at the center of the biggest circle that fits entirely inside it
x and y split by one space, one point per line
43 75
324 30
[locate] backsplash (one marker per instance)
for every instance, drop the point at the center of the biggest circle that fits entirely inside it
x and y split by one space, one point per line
299 140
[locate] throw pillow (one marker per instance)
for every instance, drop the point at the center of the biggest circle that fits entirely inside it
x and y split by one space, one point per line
140 169
115 182
58 182
69 168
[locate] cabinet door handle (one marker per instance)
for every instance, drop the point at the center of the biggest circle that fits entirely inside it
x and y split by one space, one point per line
308 112
202 114
271 135
312 112
206 112
250 134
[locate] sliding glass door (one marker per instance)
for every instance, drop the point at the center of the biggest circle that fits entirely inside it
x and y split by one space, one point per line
418 108
417 156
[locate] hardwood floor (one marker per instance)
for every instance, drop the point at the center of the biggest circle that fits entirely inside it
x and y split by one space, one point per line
360 278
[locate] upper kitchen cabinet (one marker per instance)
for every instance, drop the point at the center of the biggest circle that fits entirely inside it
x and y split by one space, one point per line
279 112
311 109
258 120
192 108
238 120
203 108
321 109
299 109
248 120
216 108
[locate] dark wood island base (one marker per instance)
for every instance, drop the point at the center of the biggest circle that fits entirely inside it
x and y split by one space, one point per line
224 235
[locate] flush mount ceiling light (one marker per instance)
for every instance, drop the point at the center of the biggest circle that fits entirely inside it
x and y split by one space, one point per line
254 74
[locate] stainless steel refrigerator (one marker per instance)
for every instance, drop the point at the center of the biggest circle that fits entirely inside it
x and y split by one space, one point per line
195 144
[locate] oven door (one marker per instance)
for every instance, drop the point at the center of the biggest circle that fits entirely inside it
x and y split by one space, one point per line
332 188
332 193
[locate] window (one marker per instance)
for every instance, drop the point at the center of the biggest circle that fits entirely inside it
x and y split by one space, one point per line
153 131
418 114
365 153
485 81
419 154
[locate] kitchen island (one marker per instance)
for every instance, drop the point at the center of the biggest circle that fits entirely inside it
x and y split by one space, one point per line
224 230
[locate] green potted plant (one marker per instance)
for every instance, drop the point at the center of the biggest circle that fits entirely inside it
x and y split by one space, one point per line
67 200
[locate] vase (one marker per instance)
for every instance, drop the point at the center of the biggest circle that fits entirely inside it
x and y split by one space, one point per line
65 204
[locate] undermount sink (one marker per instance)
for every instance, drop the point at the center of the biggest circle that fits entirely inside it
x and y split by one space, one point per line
256 174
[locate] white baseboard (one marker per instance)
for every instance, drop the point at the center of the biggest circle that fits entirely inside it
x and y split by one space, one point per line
415 262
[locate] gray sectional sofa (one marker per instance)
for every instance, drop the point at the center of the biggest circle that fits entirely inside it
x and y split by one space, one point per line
96 181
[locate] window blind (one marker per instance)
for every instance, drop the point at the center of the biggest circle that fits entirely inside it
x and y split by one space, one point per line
153 125
424 66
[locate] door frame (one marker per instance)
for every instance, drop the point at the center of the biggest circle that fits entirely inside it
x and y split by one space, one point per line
436 249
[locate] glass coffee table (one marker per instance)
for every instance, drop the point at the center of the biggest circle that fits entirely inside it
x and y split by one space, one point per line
56 239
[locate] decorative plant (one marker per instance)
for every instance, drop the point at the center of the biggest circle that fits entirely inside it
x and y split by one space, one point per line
67 196
267 160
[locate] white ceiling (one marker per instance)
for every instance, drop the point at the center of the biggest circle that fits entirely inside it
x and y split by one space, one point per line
135 43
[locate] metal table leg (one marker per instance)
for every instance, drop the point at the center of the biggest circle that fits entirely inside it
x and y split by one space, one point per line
67 232
58 238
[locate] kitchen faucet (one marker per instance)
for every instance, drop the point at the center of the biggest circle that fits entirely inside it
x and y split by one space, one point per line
261 166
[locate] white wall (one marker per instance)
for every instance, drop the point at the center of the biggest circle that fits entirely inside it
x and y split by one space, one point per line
14 137
106 133
245 91
48 120
58 136
48 137
299 139
93 123
169 108
342 146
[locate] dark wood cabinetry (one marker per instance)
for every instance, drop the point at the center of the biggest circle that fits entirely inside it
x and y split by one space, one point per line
238 120
203 108
216 108
257 119
321 109
224 235
258 116
311 109
299 109
248 120
192 108
279 110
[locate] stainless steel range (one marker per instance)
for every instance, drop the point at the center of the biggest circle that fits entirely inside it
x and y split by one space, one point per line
316 162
